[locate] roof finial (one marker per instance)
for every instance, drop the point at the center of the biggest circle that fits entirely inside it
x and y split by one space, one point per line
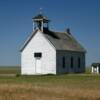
41 10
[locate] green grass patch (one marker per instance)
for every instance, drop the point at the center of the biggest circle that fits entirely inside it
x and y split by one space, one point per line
76 79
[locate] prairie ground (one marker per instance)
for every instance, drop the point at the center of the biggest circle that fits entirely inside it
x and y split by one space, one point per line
49 87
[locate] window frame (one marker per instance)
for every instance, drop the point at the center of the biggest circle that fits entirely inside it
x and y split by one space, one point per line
37 54
72 62
63 62
79 62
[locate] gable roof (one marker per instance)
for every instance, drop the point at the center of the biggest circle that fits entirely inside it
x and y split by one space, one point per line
61 41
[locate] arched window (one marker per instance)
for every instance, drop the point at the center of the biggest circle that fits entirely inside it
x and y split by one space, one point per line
79 62
63 62
71 65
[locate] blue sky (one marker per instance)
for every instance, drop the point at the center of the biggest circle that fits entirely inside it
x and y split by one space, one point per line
81 16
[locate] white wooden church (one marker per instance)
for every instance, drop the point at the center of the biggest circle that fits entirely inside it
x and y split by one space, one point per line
49 52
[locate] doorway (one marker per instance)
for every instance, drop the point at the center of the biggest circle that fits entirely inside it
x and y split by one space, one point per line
38 66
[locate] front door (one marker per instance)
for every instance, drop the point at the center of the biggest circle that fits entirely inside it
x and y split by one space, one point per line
38 66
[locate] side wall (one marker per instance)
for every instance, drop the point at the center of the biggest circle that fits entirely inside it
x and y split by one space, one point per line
48 60
67 68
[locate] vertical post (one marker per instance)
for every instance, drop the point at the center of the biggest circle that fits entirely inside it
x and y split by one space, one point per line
33 26
92 69
42 26
97 69
48 25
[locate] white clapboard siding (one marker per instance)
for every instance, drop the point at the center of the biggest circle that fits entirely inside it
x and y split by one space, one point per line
48 60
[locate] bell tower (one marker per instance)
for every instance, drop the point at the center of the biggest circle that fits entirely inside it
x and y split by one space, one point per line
40 22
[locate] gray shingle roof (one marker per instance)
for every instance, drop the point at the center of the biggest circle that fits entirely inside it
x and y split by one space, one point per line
61 41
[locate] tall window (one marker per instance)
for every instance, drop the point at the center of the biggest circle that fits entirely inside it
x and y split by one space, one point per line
79 62
71 65
63 62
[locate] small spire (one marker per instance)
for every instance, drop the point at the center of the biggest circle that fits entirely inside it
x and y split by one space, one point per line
41 10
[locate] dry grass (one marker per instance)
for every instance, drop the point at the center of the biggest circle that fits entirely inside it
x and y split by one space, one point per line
62 87
30 91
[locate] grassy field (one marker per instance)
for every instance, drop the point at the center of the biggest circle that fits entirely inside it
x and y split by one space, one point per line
49 87
9 70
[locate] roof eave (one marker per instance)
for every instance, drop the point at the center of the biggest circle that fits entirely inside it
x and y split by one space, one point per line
27 41
71 51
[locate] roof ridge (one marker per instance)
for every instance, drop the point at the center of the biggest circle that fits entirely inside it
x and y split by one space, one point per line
60 40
